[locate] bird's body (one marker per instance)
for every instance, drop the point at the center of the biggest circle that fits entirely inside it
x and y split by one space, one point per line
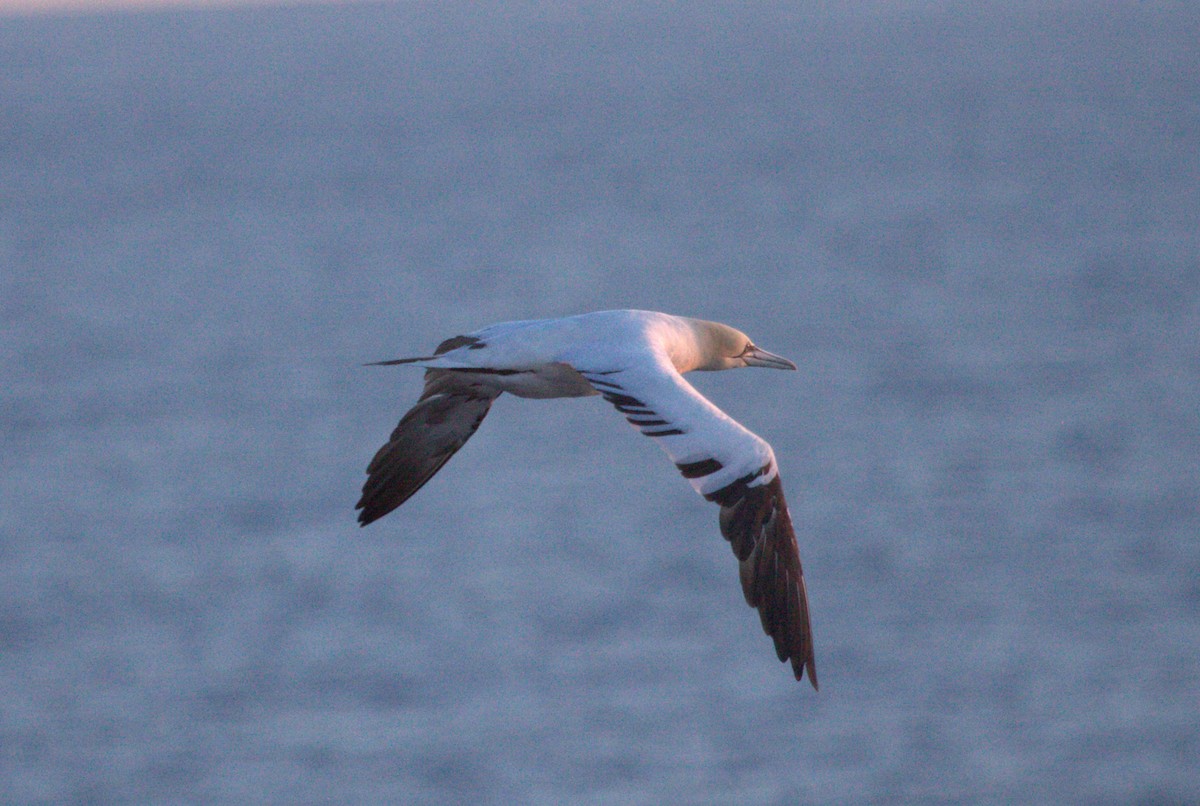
635 359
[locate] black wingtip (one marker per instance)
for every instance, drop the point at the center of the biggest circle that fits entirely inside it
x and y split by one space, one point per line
366 520
811 666
368 514
755 521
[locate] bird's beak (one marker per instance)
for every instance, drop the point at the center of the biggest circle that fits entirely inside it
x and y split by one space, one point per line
756 357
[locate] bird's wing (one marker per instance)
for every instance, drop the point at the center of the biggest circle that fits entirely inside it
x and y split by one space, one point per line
734 468
450 410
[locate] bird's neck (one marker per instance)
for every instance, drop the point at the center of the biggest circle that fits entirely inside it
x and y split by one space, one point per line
688 345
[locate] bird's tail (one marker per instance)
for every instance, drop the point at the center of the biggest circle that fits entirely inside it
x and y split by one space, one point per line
394 361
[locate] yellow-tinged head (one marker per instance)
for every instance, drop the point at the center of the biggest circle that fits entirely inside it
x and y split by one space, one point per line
714 346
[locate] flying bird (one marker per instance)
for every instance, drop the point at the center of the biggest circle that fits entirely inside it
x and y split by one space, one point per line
635 360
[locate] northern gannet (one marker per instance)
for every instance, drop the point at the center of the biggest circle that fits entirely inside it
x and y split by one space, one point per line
635 361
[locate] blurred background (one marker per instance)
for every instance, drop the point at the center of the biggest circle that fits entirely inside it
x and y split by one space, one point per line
973 226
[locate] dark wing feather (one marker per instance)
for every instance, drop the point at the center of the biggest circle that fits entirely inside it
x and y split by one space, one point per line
450 410
755 521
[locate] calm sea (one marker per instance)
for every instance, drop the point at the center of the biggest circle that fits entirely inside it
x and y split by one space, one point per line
975 230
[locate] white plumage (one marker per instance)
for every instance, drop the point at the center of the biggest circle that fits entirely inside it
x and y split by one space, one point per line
636 361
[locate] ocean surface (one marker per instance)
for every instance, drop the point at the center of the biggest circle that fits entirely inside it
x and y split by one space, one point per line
976 228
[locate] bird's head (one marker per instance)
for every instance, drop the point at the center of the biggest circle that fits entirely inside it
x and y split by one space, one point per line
723 347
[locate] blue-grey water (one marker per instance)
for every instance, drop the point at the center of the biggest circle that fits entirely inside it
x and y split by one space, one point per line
975 228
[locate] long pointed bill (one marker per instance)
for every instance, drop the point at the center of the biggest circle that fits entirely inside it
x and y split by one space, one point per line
756 357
